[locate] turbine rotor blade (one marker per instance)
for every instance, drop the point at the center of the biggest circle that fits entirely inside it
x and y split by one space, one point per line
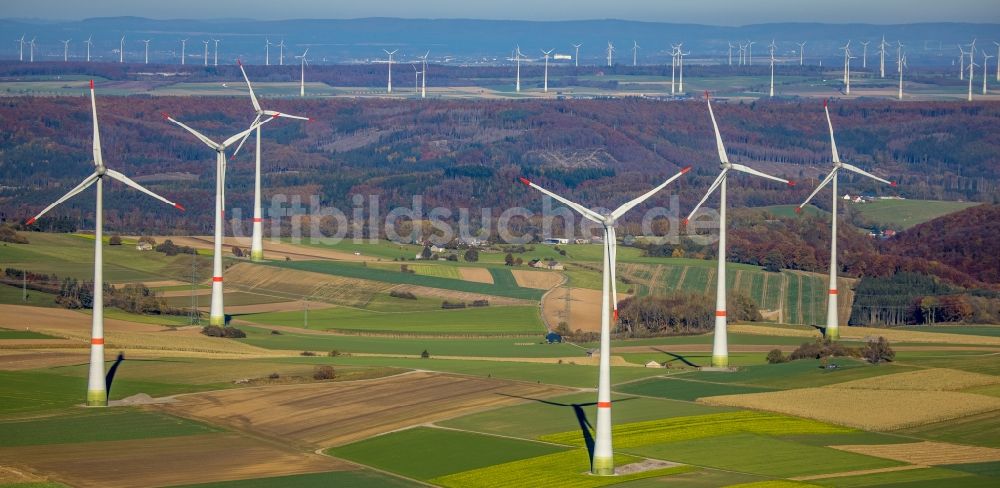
822 184
851 167
284 115
128 181
613 254
240 146
718 137
586 212
618 212
711 189
210 143
98 158
749 170
833 142
77 189
254 126
253 97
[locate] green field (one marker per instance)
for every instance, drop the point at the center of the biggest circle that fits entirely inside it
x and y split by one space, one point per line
340 479
425 453
679 389
903 214
473 320
97 425
22 334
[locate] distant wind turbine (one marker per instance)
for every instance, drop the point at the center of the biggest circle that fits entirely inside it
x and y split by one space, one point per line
423 74
516 57
302 74
267 52
89 42
771 47
183 51
216 51
576 58
635 53
97 390
416 79
66 50
720 344
730 54
31 49
847 68
611 50
121 50
802 50
390 53
986 62
602 463
281 53
20 43
864 54
881 57
750 52
972 72
902 62
680 66
545 88
147 50
206 51
675 49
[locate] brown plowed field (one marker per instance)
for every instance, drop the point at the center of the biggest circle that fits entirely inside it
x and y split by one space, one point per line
478 275
166 461
330 414
927 453
584 308
542 280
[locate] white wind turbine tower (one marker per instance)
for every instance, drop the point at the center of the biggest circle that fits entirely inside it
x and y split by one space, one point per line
267 52
576 57
847 68
750 52
972 71
720 345
998 59
986 62
881 57
602 462
635 53
546 83
416 79
281 53
516 57
121 50
864 54
183 51
680 68
674 50
899 55
802 49
611 50
903 65
89 42
771 49
832 323
730 54
389 89
302 74
216 51
217 315
961 61
423 74
66 50
31 49
20 47
206 51
147 50
97 391
257 239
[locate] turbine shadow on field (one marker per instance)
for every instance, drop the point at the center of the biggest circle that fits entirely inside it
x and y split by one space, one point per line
581 416
110 378
677 357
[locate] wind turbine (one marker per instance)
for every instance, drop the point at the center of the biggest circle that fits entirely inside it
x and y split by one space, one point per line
216 51
66 50
416 79
97 391
602 462
257 240
516 57
390 53
750 52
847 68
881 57
832 323
206 51
217 315
730 54
89 42
864 54
903 62
771 49
680 70
635 53
899 55
267 52
675 49
986 62
121 50
302 76
802 50
961 61
147 49
972 72
423 74
31 49
720 346
546 53
183 50
281 53
994 42
21 47
576 58
611 50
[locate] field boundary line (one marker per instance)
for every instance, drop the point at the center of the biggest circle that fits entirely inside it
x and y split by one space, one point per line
860 472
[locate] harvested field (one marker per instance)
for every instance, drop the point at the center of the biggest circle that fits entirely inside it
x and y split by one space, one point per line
934 379
296 305
584 308
185 293
884 409
331 414
270 280
461 296
478 275
927 453
272 250
773 331
62 322
158 284
166 461
860 333
33 359
542 280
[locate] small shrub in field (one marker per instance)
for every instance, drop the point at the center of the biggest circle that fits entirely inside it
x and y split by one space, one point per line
821 348
212 331
273 376
452 305
402 294
776 357
324 372
425 354
275 332
334 353
233 333
877 351
481 303
307 353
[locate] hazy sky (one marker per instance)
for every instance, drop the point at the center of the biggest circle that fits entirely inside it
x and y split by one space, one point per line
718 12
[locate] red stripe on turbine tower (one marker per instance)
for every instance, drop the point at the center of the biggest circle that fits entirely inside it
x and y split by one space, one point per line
97 341
603 404
720 313
258 219
217 278
833 292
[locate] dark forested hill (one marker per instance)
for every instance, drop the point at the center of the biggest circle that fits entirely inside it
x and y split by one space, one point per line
466 153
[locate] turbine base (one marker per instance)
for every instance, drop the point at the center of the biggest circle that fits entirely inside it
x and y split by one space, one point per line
719 361
832 332
256 255
97 398
219 320
603 466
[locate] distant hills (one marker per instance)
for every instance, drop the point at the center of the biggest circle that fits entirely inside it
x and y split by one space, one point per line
478 41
